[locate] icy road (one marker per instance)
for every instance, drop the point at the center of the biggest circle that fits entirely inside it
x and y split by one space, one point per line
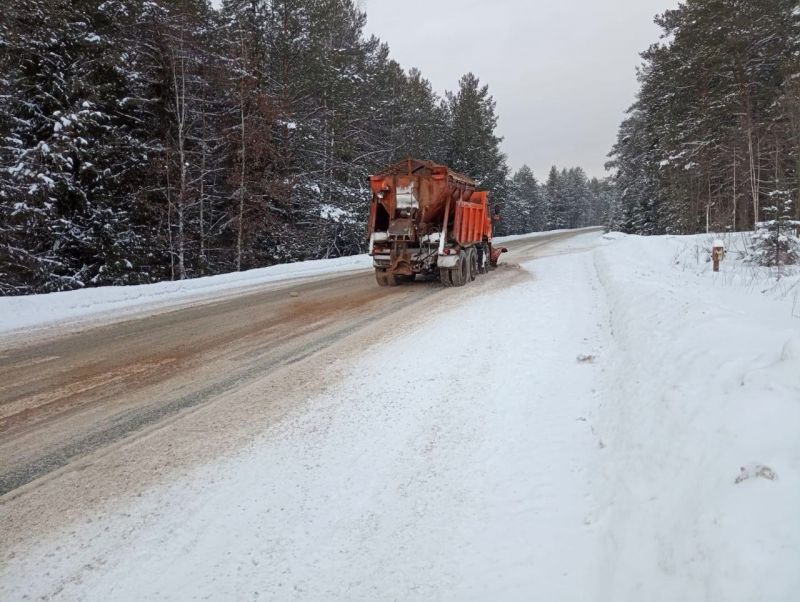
583 424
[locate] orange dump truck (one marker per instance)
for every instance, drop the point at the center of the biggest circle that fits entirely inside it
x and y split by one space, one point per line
427 219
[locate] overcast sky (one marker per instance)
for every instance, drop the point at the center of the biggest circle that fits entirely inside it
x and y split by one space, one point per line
561 71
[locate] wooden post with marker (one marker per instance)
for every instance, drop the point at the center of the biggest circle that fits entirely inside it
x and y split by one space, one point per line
717 253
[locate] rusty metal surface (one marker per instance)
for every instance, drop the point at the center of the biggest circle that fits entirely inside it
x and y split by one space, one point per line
419 167
415 202
431 184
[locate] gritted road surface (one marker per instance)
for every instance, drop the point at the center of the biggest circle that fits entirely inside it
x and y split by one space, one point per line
64 397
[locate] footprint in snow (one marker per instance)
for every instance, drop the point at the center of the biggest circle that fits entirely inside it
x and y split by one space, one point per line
755 471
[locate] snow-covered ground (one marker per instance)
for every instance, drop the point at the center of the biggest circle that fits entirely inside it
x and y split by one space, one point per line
621 425
702 389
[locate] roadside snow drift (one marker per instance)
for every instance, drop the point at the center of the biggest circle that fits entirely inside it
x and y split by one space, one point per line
36 311
627 431
114 302
700 421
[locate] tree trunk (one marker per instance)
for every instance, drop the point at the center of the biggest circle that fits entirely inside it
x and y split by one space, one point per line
179 89
203 152
239 233
734 189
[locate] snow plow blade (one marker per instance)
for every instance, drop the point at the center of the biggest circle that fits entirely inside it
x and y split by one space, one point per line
496 253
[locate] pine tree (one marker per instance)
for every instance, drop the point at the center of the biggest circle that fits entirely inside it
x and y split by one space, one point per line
713 118
602 198
775 241
474 148
557 210
528 201
576 197
73 158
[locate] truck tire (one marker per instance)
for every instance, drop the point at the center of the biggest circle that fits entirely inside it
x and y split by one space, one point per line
455 274
472 262
465 268
459 275
445 277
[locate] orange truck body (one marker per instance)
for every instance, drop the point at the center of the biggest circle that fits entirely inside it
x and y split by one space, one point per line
428 219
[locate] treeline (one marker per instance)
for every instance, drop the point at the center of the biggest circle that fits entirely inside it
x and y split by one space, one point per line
567 199
713 139
144 140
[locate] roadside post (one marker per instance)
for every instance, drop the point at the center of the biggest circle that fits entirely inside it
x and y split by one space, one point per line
717 253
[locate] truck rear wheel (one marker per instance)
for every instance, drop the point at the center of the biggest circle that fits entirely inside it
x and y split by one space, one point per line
472 262
459 275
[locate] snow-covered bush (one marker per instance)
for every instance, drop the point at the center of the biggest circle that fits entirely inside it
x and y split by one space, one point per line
775 241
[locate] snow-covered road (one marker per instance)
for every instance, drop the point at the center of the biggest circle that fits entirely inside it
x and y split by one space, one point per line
557 439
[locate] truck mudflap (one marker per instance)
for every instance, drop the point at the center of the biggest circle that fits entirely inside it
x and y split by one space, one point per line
447 261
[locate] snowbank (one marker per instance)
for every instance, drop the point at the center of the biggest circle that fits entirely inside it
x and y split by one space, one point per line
545 234
512 237
35 311
700 425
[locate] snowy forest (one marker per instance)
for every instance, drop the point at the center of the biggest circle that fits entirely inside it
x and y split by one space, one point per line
713 139
148 140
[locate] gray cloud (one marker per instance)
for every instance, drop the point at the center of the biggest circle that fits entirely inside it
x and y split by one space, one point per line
562 73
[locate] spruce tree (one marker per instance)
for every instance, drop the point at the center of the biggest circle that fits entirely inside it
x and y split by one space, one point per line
557 209
532 217
74 158
775 241
474 148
